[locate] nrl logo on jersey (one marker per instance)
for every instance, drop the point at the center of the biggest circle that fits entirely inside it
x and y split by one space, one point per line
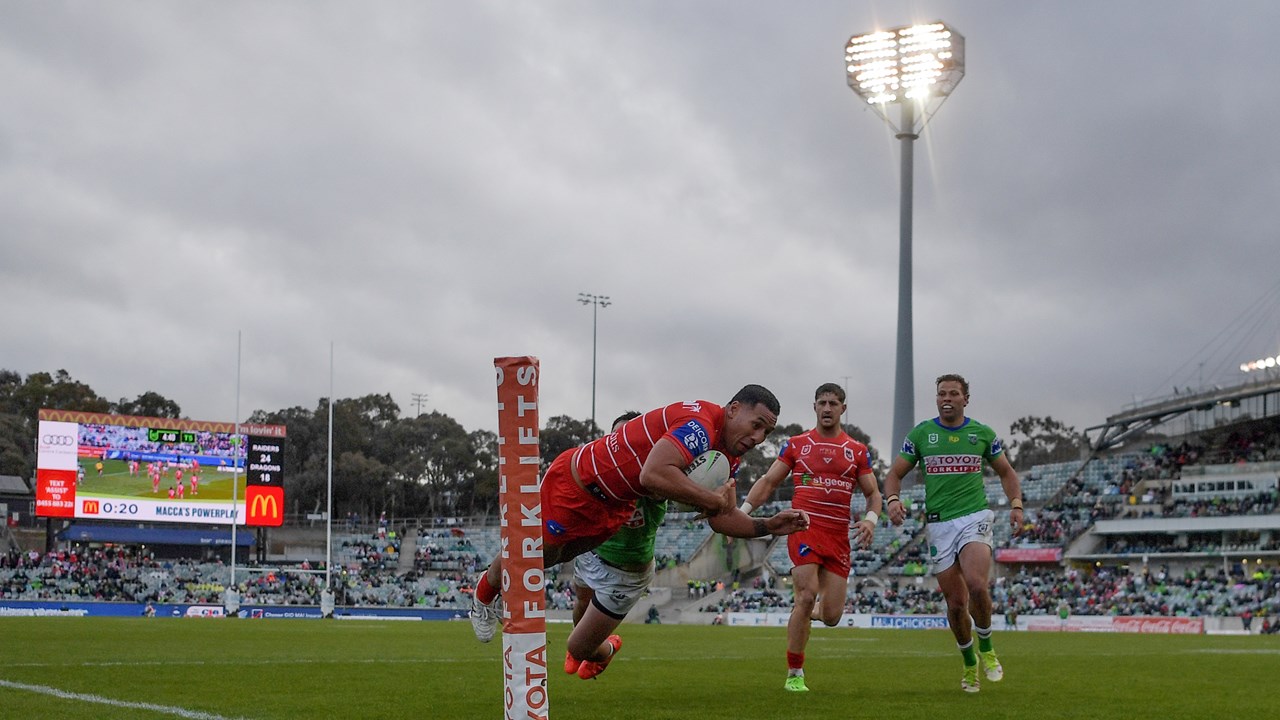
933 438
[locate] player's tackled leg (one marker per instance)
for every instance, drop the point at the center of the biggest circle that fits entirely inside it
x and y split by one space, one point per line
484 618
486 607
592 668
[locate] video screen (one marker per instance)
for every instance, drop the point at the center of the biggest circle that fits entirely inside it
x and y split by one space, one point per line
120 467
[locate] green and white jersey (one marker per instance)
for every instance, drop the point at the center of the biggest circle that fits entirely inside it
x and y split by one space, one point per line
951 461
633 543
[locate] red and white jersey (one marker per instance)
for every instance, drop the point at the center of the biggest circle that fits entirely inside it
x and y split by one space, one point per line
825 472
612 463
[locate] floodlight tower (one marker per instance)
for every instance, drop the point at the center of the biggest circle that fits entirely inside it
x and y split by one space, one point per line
596 302
915 67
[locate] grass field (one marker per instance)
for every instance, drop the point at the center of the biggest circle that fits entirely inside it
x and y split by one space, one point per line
116 482
214 669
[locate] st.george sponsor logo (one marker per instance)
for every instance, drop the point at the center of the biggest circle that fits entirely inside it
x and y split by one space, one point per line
827 482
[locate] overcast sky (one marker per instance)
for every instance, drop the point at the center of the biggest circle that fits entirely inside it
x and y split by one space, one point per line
428 185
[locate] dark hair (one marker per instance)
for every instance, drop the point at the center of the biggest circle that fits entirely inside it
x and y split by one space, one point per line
757 395
628 415
953 377
832 388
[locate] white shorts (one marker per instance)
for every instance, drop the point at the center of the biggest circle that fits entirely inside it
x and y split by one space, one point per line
947 538
616 590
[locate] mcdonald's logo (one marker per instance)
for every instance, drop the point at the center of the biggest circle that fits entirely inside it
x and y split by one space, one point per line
91 507
265 505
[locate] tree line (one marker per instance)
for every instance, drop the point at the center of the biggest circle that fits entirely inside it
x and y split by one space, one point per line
426 465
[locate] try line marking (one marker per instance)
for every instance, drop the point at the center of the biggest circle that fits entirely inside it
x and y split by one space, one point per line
85 697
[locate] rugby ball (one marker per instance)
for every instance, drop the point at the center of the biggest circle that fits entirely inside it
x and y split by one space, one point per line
709 470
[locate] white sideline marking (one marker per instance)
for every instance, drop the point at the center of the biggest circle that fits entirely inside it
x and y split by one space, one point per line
1237 651
85 697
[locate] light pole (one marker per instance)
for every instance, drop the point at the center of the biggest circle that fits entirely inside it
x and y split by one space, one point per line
596 302
917 67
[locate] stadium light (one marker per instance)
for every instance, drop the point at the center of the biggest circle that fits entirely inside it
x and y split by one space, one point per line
915 67
1266 363
596 302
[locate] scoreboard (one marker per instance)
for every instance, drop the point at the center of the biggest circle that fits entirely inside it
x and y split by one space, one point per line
124 467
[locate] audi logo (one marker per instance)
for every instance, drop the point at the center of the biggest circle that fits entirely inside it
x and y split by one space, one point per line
58 440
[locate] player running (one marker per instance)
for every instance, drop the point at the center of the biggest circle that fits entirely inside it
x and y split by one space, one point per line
952 448
825 464
589 492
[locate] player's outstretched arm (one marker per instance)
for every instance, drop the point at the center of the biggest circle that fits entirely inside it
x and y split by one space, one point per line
765 486
736 523
663 475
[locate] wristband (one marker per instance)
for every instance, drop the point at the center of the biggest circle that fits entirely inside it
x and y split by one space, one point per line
747 507
1016 503
871 517
891 498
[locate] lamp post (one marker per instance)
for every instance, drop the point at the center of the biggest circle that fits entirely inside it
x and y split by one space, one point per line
915 67
596 302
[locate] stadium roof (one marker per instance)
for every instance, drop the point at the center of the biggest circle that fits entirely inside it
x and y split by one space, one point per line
1176 525
1132 422
13 485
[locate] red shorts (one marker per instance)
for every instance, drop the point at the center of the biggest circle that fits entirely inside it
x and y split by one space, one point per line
571 513
828 549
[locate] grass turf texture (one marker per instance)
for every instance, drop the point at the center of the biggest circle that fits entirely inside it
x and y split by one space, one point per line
116 482
374 669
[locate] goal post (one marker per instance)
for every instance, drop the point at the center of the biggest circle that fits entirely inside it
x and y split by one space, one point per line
524 621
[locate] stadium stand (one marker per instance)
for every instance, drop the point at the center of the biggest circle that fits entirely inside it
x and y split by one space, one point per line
1172 526
679 539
